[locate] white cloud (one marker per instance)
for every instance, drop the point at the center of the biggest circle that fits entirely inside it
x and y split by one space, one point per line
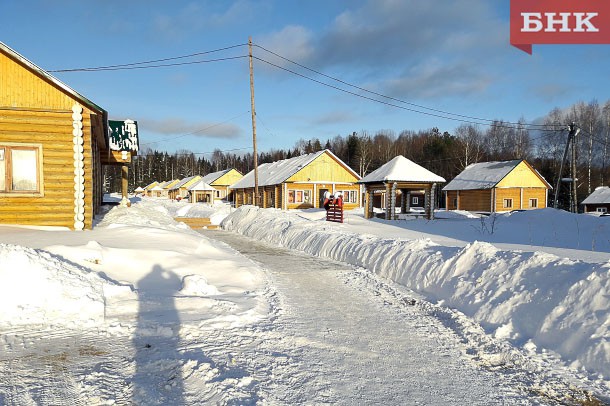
178 126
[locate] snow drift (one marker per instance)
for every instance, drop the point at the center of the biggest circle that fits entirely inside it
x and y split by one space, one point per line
530 298
38 287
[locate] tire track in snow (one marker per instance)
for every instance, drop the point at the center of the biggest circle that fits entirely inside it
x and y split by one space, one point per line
344 346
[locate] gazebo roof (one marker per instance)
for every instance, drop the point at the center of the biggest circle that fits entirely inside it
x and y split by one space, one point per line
401 169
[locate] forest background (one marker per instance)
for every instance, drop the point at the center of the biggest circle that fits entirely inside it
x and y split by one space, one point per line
542 144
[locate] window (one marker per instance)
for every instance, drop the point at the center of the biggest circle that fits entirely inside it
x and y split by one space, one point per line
349 196
20 169
602 210
415 200
533 203
508 203
299 196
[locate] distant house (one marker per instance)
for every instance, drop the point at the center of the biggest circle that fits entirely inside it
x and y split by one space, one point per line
148 188
53 143
598 201
400 178
300 182
167 186
497 187
180 189
221 181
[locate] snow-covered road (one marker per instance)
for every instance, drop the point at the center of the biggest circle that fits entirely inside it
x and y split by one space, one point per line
353 339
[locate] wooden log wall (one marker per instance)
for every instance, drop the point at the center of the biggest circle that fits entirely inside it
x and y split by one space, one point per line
52 130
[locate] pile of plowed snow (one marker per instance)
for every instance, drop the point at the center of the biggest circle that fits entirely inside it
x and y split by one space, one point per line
38 287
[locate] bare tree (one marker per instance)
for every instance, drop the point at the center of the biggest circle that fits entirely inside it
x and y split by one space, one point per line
470 143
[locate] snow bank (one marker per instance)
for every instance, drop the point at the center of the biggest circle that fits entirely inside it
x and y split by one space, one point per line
530 298
37 287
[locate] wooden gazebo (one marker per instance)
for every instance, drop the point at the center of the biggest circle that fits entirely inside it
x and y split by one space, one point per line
400 175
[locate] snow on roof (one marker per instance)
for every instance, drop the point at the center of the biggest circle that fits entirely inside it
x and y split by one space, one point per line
183 182
211 177
482 175
139 189
201 185
278 172
401 169
599 196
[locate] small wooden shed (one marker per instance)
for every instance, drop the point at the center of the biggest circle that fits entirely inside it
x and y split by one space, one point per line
221 181
491 187
53 143
300 183
598 201
400 176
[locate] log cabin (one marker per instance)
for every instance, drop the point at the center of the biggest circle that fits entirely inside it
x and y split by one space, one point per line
300 183
397 179
495 187
221 182
598 201
53 142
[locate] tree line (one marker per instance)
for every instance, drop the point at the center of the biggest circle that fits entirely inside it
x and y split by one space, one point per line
441 152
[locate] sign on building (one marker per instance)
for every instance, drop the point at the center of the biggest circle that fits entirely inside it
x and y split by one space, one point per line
123 135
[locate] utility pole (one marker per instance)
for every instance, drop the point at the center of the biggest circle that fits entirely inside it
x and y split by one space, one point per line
574 198
256 201
573 131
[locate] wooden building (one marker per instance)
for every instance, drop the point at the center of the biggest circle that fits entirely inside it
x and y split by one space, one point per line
181 189
398 179
221 182
300 183
148 188
492 187
598 201
53 143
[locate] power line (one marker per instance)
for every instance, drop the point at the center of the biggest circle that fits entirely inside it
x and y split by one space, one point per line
100 69
127 65
492 124
198 131
491 121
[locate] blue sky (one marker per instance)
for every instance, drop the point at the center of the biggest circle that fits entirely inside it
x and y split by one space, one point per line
452 56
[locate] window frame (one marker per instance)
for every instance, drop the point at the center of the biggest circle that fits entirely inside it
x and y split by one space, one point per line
8 191
349 196
535 205
303 194
601 209
507 203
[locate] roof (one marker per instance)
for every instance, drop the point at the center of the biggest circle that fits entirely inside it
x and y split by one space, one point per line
184 182
278 172
211 177
201 185
401 169
482 175
600 195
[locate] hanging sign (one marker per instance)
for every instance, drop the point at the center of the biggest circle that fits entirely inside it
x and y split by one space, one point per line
123 135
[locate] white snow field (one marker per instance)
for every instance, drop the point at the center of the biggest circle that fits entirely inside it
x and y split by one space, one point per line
142 310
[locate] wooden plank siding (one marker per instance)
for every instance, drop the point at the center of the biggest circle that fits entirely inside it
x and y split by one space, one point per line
471 200
520 198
